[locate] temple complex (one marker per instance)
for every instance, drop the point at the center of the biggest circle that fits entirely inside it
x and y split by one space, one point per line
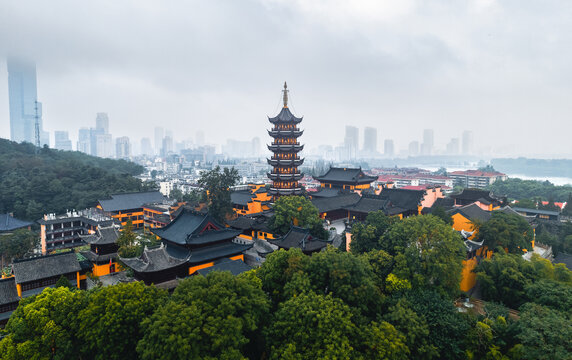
285 148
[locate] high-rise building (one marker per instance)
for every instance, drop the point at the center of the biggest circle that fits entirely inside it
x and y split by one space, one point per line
102 123
200 138
285 148
413 148
103 145
122 148
468 142
351 142
453 147
63 141
167 146
370 140
24 107
428 142
84 141
388 148
159 135
146 148
256 147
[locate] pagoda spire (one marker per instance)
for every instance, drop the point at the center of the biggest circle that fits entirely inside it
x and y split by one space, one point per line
285 96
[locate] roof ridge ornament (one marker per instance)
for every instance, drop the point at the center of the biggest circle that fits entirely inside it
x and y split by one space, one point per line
285 96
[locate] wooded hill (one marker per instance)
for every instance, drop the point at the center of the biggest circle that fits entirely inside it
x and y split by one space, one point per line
55 181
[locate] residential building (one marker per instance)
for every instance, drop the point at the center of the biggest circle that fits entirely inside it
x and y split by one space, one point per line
65 230
476 178
62 141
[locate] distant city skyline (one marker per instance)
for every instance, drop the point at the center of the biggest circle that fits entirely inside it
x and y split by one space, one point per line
498 69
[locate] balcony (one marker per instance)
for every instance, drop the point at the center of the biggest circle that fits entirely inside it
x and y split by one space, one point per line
286 162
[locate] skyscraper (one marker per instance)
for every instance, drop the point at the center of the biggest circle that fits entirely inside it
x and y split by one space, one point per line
388 148
468 142
414 148
122 148
453 147
159 134
351 142
102 123
24 107
146 148
370 140
62 140
84 140
428 142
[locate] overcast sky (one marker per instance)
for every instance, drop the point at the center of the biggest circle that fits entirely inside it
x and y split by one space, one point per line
500 68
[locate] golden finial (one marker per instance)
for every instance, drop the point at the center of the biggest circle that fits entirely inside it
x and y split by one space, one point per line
285 97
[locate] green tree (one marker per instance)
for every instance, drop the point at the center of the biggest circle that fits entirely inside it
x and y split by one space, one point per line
126 241
216 184
45 326
381 264
567 211
176 194
216 318
509 231
545 333
443 215
64 281
427 252
525 203
110 323
553 294
294 210
370 234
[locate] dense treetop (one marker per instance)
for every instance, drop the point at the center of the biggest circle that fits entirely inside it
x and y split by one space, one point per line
55 181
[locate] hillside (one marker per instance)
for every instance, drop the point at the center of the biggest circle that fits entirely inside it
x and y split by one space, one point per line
54 181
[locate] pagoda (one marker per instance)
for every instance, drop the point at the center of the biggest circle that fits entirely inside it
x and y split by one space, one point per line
285 147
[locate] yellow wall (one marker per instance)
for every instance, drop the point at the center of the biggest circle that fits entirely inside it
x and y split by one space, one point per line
100 270
193 269
462 223
469 278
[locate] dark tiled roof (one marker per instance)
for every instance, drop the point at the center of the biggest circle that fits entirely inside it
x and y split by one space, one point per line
407 199
285 115
217 251
93 257
154 259
8 292
103 235
476 195
333 203
537 211
346 175
369 204
42 267
10 223
234 266
472 212
325 193
565 259
299 238
259 222
131 200
185 225
240 197
212 236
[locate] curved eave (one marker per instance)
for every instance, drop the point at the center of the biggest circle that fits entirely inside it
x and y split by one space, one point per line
295 191
285 133
285 177
285 116
276 162
285 147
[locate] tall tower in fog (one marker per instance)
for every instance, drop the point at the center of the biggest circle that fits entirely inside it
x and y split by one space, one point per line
428 142
24 107
468 142
370 140
351 142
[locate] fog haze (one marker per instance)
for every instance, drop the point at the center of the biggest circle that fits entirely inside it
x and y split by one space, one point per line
500 69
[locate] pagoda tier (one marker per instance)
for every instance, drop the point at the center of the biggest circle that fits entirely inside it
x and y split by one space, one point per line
285 146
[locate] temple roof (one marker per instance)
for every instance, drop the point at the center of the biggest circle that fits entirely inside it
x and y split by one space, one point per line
155 259
10 223
8 291
241 197
472 212
340 201
285 116
234 266
128 201
407 199
217 251
483 196
190 227
300 238
346 175
32 269
103 236
369 204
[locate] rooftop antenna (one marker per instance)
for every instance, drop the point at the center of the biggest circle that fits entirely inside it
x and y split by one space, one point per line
37 126
285 97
